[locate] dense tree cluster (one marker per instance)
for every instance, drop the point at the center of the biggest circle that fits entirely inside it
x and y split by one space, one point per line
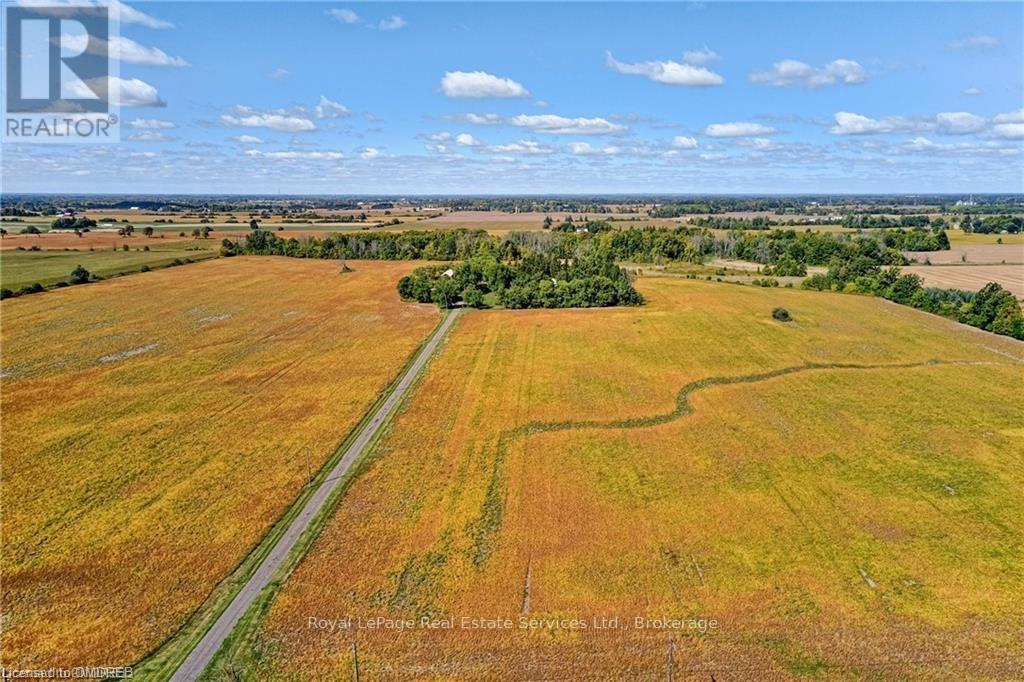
992 224
436 245
993 308
536 281
916 239
869 220
82 224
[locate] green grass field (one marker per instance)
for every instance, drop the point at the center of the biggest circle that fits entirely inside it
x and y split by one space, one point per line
22 268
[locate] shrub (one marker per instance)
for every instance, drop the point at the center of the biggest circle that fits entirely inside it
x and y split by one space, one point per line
145 268
5 293
781 314
79 275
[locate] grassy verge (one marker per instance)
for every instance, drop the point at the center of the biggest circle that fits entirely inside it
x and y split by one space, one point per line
238 656
165 659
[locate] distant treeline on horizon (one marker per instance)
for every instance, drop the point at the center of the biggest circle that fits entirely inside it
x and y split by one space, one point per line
665 204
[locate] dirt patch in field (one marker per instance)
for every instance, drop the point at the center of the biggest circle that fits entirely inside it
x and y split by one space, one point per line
973 254
971 277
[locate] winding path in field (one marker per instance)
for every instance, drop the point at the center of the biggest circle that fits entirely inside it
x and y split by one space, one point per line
488 524
197 660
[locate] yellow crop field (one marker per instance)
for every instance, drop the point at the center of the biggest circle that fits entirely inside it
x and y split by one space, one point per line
689 486
155 427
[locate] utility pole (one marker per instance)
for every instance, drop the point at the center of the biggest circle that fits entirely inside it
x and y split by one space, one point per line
355 661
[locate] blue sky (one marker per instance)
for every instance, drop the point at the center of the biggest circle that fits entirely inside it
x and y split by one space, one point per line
400 98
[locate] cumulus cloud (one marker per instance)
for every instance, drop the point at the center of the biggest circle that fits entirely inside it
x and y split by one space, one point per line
848 123
326 108
247 139
466 140
1009 131
528 147
118 10
282 122
974 42
760 144
480 84
345 16
122 92
483 119
392 23
1010 117
959 123
971 92
790 72
370 153
586 149
150 124
310 155
701 57
684 142
667 72
560 125
738 129
130 15
150 136
122 49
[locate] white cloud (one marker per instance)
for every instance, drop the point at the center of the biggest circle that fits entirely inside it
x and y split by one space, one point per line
528 147
667 72
989 148
483 119
325 108
150 136
971 92
247 139
701 57
118 11
479 84
466 140
345 16
684 142
959 123
1010 131
278 74
790 72
760 144
975 42
150 124
273 121
313 156
585 149
392 23
122 49
1011 117
560 125
122 92
848 123
738 129
370 153
130 15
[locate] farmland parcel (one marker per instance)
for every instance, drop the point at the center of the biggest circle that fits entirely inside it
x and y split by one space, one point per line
765 497
218 387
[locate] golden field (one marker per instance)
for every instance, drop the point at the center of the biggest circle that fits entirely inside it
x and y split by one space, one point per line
843 500
155 426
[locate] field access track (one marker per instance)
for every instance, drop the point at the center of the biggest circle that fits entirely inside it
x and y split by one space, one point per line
207 648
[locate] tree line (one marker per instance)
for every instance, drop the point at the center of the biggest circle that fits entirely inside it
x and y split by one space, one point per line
993 308
536 281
